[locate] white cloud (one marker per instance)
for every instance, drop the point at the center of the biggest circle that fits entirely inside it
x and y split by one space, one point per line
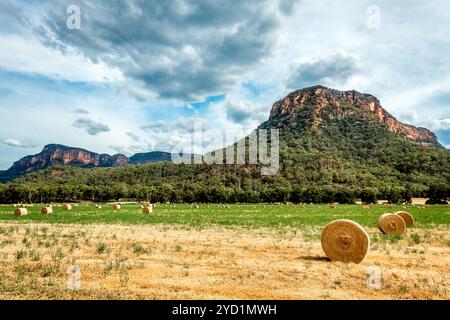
17 143
27 55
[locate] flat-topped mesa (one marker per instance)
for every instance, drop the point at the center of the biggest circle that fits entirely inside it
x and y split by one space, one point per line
59 154
318 97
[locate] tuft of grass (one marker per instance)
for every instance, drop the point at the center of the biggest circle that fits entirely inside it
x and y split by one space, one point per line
402 289
20 254
139 249
101 247
415 238
35 255
59 255
107 268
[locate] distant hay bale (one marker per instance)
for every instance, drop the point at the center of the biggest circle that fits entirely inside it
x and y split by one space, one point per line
67 207
389 223
147 210
116 206
345 240
21 212
47 210
147 205
333 206
15 205
409 219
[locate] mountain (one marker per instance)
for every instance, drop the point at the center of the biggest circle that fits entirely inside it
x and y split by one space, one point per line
56 154
53 154
150 157
318 106
334 146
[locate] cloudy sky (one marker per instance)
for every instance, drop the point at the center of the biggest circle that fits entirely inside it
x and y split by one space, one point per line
138 73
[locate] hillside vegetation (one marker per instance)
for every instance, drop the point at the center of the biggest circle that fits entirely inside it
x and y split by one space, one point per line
333 151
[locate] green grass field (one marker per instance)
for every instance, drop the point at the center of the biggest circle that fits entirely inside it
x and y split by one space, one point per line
250 216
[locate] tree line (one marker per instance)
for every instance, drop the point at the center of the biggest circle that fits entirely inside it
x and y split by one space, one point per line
190 193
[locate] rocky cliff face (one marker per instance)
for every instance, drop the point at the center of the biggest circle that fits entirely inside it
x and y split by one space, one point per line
54 154
318 100
58 154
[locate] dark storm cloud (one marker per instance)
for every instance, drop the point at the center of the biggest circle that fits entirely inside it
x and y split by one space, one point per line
244 111
92 127
180 49
238 113
335 69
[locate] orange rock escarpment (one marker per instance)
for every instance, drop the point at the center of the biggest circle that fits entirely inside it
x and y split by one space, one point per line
317 98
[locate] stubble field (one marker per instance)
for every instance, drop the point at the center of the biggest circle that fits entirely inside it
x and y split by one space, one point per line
217 252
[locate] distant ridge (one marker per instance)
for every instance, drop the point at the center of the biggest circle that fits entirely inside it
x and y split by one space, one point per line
57 154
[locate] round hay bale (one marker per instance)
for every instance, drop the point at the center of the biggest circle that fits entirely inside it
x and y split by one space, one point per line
147 210
47 210
116 206
345 240
21 212
409 219
389 223
67 207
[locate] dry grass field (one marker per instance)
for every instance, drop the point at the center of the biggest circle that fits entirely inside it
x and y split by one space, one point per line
169 261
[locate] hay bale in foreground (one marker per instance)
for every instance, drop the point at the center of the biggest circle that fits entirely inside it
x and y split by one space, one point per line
116 206
21 212
409 219
345 240
147 210
67 207
389 223
47 210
